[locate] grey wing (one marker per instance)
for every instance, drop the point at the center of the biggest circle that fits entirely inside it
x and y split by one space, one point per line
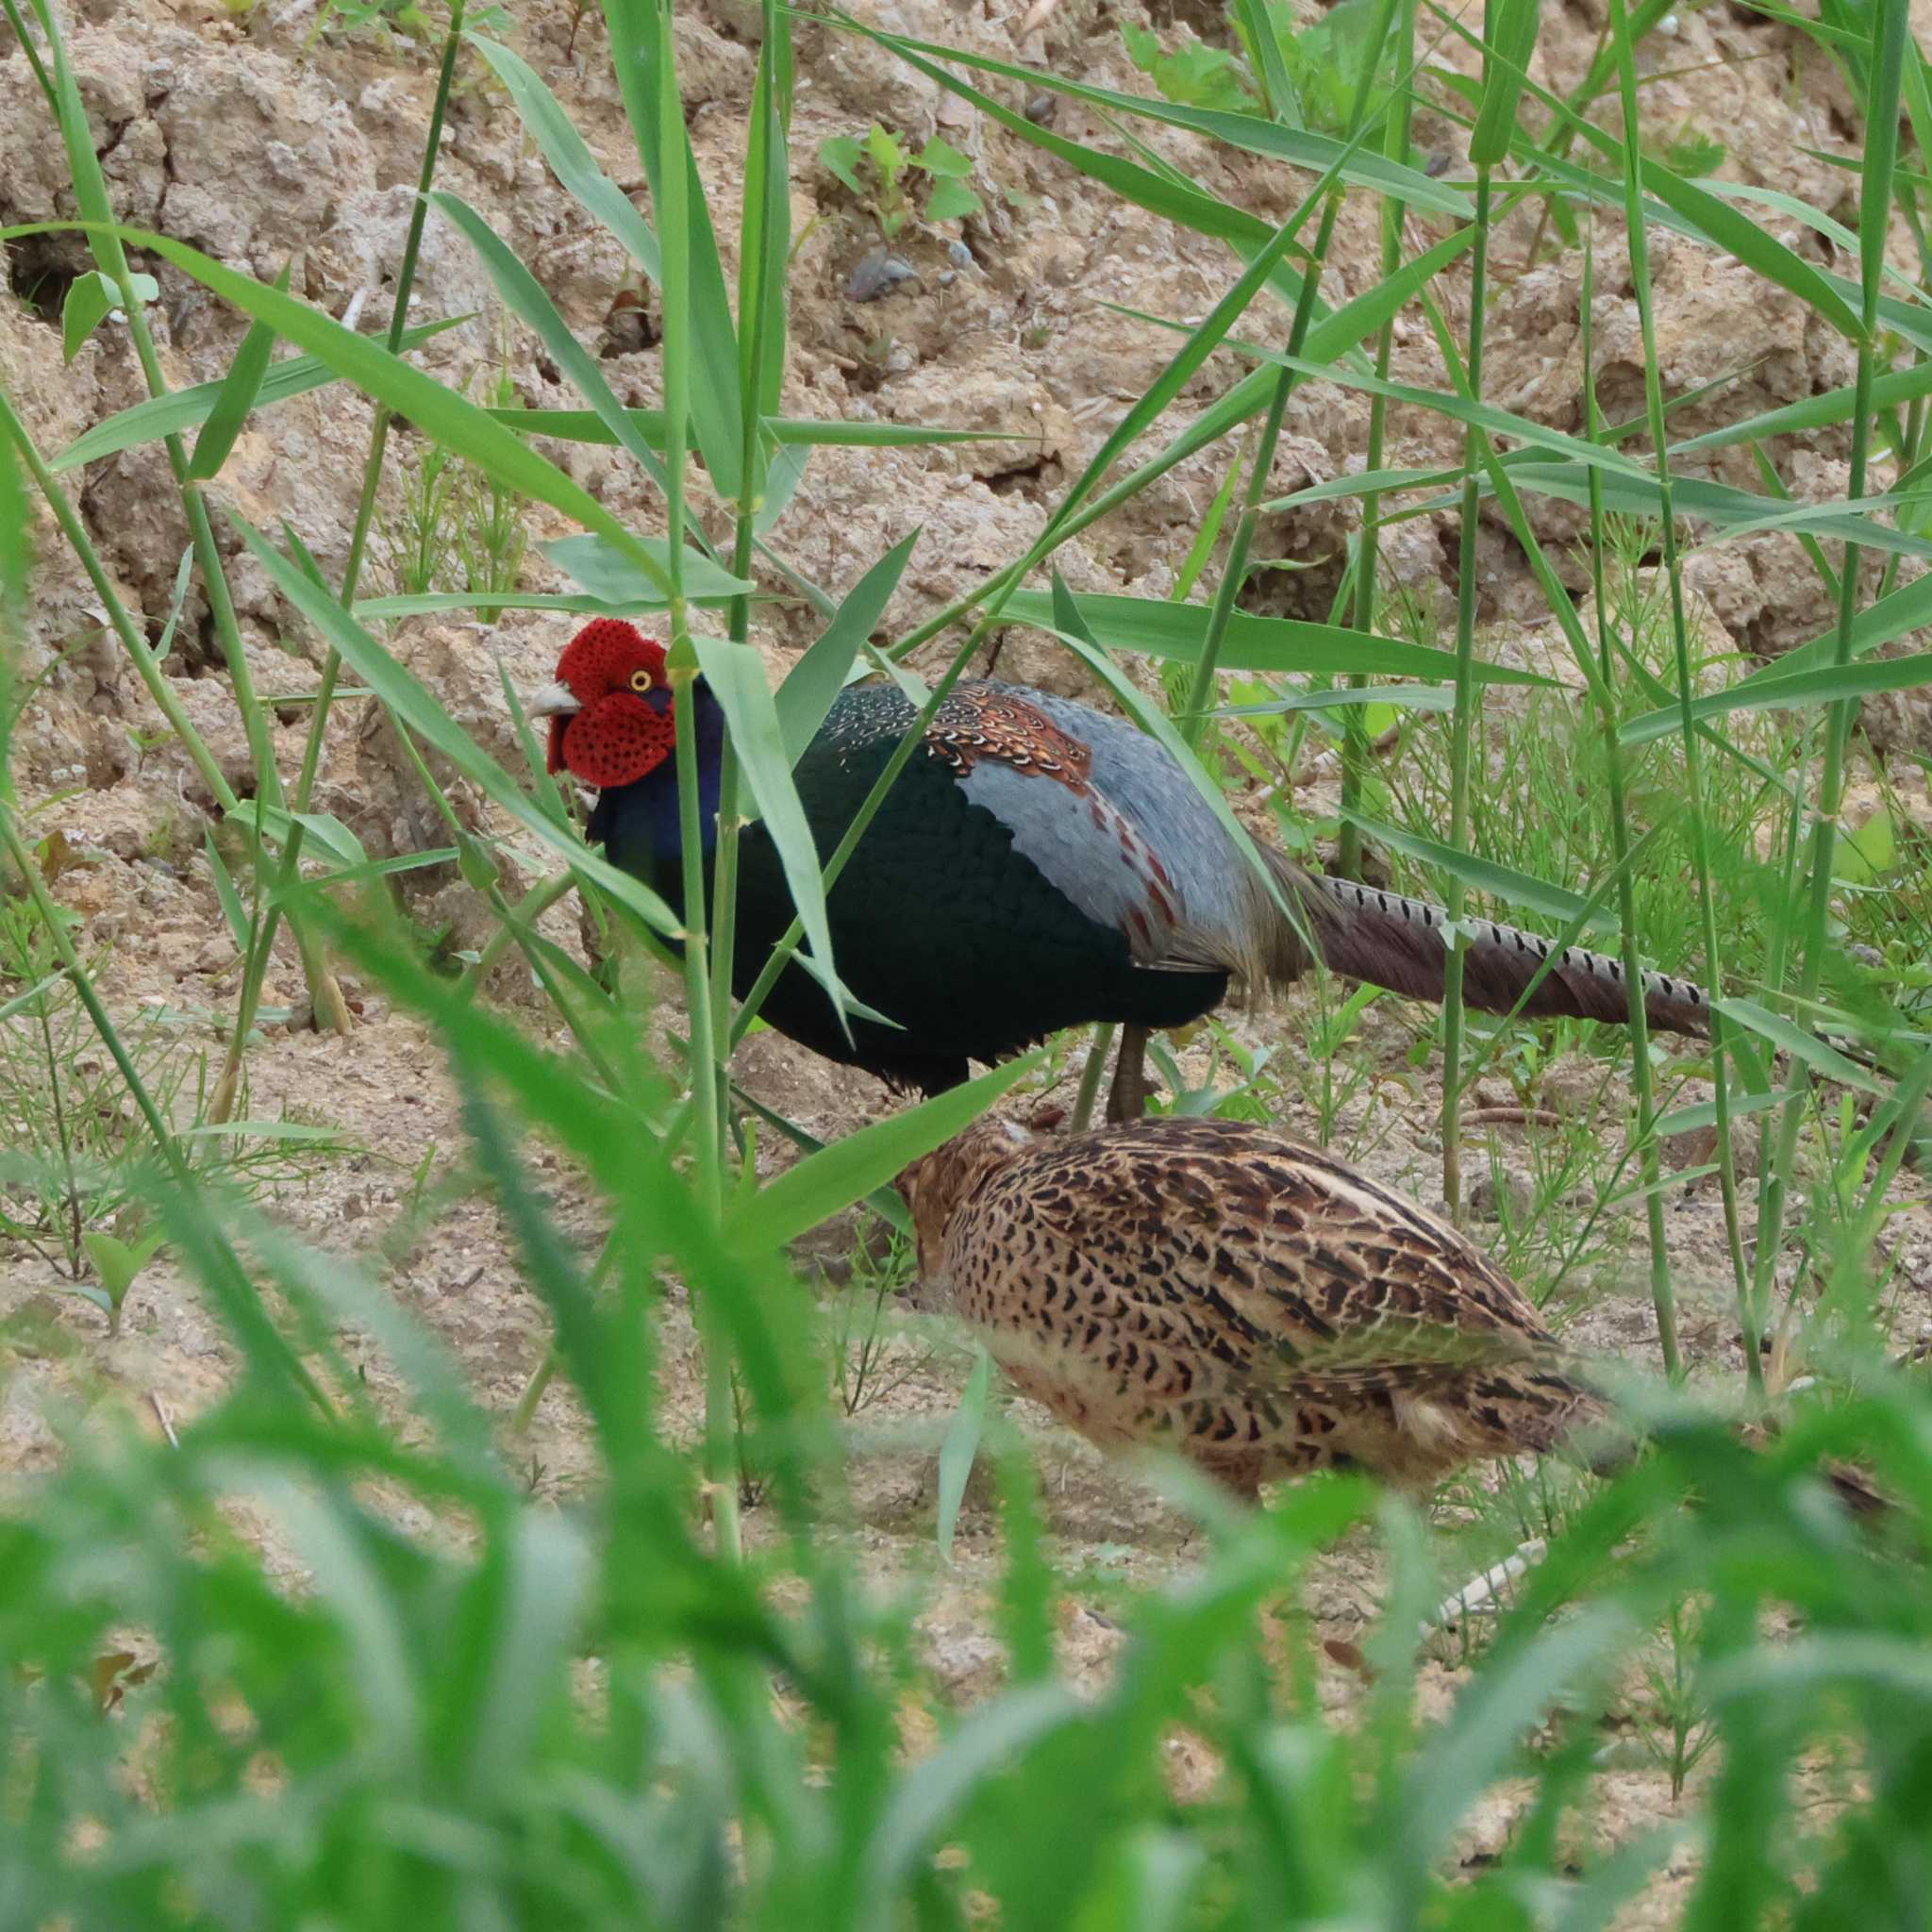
1221 906
1096 855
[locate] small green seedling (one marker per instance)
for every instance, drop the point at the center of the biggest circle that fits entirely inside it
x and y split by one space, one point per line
118 1264
91 301
1322 61
960 1449
876 168
1196 74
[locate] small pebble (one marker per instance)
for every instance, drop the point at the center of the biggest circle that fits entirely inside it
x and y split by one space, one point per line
878 273
1042 107
960 255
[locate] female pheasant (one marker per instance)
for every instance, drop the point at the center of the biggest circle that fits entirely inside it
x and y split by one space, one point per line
1039 865
1257 1306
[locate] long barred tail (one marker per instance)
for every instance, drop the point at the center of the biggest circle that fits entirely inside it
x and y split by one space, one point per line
1397 943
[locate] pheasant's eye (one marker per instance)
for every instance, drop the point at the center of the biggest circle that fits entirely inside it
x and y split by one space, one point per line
641 681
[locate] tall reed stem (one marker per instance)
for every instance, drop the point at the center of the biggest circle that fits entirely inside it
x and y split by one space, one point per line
1680 637
256 968
1234 572
1891 28
673 185
1462 725
1354 743
1663 1292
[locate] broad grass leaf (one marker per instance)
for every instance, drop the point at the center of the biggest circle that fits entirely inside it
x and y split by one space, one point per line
512 1633
817 678
960 1450
571 161
1172 200
432 602
641 50
524 296
1254 133
181 409
224 892
1733 513
735 675
1156 628
1498 1709
89 299
1486 875
1509 32
323 831
1330 339
609 573
1833 405
1891 36
828 1182
1457 407
1776 689
382 1680
585 425
1376 697
925 1805
437 410
236 400
1802 1046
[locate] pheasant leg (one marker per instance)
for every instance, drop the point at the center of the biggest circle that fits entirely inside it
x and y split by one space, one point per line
1126 1099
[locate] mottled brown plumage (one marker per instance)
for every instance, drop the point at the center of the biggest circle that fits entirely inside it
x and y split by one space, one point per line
1217 1289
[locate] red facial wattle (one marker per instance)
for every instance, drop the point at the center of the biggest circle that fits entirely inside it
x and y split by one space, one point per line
616 740
623 727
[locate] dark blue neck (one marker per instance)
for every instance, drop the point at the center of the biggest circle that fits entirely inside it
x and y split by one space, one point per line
639 823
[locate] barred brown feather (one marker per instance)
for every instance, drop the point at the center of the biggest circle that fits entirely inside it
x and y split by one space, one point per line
1252 1302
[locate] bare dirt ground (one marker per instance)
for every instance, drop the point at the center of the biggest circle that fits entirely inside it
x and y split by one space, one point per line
228 132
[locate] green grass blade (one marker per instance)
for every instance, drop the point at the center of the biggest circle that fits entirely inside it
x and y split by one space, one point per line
818 677
585 425
960 1450
608 570
437 410
1800 1044
1156 628
181 409
1821 411
16 558
648 602
1733 513
828 1182
640 49
1509 38
570 160
237 395
735 675
1891 35
524 296
1187 206
1775 691
1457 407
1485 874
1338 332
1254 133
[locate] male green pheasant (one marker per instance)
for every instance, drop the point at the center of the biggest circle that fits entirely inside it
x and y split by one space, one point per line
1037 865
1256 1306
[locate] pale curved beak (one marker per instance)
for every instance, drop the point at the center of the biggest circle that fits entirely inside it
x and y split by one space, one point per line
554 701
